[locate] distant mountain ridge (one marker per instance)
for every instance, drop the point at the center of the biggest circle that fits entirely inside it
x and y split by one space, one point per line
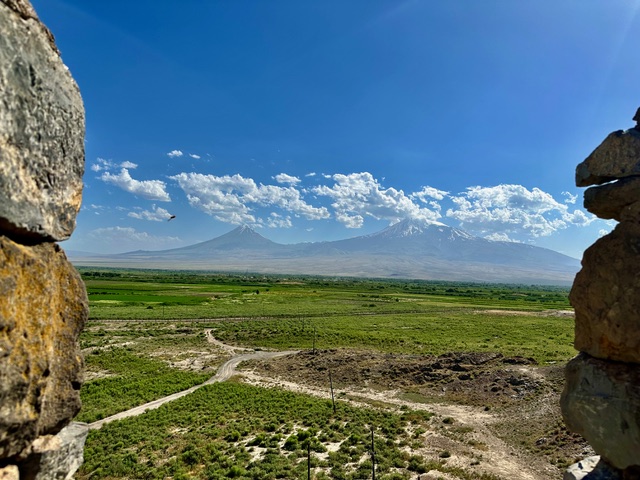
408 249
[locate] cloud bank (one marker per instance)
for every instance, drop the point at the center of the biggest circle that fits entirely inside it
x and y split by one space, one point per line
359 195
156 214
102 165
513 209
231 199
149 189
501 212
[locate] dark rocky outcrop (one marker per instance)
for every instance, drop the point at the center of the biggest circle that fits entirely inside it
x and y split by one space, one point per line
606 299
617 157
610 200
41 131
43 302
601 399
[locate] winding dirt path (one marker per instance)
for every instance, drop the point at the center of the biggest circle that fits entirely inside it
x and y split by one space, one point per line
226 371
498 458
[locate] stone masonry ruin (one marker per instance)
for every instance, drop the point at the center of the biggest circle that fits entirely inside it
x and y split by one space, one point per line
43 302
601 399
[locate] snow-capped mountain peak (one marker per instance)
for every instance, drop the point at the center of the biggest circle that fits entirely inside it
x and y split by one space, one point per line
409 227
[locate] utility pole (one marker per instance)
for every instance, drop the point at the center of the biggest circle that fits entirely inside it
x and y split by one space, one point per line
373 457
333 400
309 459
314 340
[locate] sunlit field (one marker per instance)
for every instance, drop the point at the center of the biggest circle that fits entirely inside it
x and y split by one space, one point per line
146 339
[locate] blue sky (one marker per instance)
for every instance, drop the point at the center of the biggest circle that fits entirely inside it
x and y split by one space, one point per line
326 120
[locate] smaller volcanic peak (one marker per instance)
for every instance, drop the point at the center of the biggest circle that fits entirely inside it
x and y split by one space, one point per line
245 233
242 237
241 240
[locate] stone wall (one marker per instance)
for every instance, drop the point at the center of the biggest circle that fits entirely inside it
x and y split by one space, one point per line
43 303
601 399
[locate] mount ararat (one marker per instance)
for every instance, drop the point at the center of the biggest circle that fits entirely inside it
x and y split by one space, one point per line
412 249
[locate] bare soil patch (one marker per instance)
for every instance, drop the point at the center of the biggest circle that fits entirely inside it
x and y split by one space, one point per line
509 403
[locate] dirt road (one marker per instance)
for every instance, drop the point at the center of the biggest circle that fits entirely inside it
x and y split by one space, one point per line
465 449
225 372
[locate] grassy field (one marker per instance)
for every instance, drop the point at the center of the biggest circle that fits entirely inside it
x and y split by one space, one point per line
143 324
390 316
238 431
169 295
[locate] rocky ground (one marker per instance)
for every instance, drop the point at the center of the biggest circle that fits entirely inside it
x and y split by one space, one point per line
506 408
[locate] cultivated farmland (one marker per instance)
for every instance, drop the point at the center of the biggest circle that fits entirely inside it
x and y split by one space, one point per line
460 380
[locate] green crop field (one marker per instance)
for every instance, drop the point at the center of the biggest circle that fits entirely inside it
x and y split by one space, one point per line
390 316
166 295
144 324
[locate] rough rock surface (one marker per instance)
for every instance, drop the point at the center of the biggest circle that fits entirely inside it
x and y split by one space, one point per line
56 457
592 468
10 472
605 296
601 401
617 157
41 131
43 307
608 201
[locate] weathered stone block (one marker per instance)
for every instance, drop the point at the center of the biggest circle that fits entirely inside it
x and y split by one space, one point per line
41 131
608 201
43 307
10 472
592 468
55 457
618 156
601 402
605 296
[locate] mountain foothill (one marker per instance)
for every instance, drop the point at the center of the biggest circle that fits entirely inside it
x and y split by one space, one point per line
415 249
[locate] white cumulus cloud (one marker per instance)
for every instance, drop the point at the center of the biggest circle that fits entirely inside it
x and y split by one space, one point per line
571 198
278 221
156 214
232 199
513 209
427 194
102 165
359 195
149 189
288 179
175 153
193 155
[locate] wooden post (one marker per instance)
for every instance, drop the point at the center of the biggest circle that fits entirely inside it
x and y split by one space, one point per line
309 459
373 457
314 340
333 400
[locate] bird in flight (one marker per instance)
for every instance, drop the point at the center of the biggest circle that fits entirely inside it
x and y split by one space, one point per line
171 218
